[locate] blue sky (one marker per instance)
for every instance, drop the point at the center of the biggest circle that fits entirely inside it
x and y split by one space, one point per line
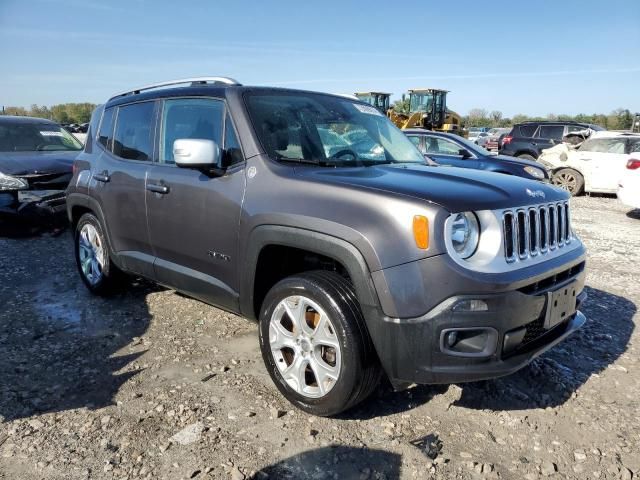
533 57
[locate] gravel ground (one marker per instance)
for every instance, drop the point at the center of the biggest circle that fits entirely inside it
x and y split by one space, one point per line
151 384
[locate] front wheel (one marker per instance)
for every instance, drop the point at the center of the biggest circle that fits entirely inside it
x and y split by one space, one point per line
569 180
315 344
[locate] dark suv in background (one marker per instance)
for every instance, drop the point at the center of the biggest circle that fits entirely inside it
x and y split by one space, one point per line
527 140
314 215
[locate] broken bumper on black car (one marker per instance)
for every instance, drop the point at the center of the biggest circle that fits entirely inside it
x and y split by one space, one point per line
32 204
487 327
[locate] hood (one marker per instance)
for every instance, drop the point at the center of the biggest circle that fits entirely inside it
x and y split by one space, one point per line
515 160
456 189
25 163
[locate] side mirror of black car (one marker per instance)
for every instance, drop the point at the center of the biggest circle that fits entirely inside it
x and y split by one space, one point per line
464 153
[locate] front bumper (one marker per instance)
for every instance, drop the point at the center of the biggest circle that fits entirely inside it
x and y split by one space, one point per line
517 316
32 204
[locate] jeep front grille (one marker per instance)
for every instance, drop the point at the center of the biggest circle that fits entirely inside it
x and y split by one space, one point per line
535 230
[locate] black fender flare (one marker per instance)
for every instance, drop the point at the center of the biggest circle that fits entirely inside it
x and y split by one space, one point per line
340 250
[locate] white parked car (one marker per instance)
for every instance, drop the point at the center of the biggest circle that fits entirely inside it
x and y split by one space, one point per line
595 166
629 185
476 136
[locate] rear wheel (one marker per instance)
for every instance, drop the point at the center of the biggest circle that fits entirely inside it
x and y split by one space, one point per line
96 269
526 156
570 180
315 344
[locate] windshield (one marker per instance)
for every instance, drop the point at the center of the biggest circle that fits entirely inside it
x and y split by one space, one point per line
328 131
31 137
421 102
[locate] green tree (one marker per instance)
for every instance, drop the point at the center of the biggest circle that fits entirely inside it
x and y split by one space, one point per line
401 106
496 117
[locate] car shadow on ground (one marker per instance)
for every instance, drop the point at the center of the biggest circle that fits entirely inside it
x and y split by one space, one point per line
336 461
29 227
551 379
67 349
384 401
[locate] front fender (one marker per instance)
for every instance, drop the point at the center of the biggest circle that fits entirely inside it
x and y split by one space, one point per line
320 243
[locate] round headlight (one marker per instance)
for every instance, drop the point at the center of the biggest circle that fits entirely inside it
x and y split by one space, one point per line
464 232
534 172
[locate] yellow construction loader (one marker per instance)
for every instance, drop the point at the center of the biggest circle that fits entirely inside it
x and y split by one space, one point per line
427 109
379 100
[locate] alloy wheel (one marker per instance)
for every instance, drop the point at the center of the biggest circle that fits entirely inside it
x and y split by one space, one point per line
91 253
567 181
305 346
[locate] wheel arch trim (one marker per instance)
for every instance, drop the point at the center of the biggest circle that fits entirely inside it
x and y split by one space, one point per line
339 250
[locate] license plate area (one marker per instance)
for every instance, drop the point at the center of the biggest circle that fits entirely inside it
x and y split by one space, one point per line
561 304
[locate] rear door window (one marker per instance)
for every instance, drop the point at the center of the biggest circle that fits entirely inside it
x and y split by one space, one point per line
527 130
133 137
555 132
442 146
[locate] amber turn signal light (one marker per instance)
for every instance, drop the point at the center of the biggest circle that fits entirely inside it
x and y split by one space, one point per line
421 231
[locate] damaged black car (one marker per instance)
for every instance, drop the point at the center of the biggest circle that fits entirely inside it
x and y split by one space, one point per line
36 160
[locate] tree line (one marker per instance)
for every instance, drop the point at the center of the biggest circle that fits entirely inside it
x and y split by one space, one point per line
619 119
61 113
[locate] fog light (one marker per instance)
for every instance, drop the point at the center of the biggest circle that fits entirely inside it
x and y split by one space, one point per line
469 341
472 305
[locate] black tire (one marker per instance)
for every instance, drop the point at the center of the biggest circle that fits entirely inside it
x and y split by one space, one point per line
570 180
111 277
360 370
526 156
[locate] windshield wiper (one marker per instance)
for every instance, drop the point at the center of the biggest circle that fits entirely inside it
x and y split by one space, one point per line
320 163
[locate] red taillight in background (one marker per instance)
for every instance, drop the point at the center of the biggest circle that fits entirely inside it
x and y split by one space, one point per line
633 164
506 140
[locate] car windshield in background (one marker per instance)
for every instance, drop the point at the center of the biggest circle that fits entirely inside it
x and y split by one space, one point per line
32 137
326 130
472 147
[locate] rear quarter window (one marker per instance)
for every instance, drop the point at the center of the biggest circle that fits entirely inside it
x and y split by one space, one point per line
105 133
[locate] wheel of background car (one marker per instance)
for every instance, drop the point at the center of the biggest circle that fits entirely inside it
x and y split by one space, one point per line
526 156
315 344
96 269
570 180
343 152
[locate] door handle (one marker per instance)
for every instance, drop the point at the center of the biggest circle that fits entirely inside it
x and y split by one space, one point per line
155 188
586 159
103 176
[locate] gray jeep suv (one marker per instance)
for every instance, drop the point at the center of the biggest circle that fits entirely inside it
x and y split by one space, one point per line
313 215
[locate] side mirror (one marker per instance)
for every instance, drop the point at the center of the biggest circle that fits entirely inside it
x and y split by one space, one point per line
197 153
464 153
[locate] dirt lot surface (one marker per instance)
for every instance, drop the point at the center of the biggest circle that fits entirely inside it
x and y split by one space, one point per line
151 384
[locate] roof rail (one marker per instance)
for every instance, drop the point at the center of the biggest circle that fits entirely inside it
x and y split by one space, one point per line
192 81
